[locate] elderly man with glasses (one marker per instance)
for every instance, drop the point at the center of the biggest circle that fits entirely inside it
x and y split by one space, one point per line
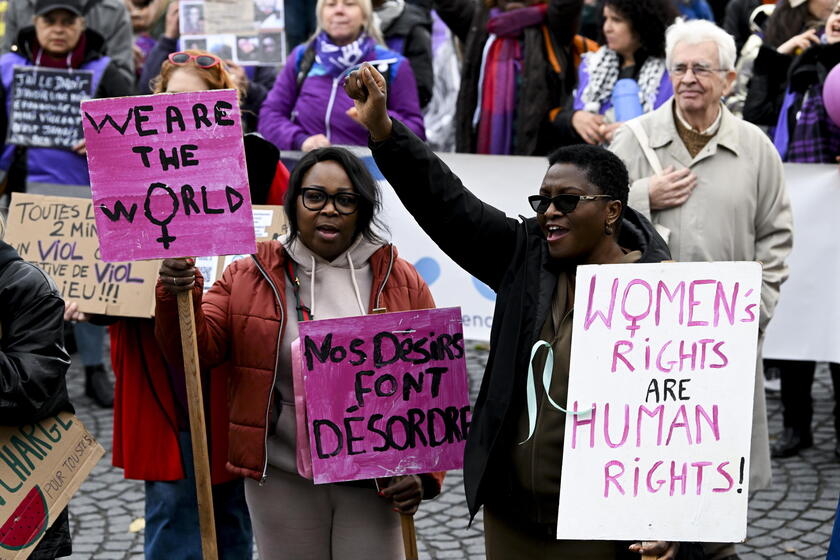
713 185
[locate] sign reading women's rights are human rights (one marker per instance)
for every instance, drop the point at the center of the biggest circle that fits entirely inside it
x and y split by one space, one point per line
660 401
168 175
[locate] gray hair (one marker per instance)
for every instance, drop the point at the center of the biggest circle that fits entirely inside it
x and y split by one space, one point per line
699 31
367 10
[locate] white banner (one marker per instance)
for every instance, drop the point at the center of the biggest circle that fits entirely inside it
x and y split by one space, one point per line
806 321
505 182
662 375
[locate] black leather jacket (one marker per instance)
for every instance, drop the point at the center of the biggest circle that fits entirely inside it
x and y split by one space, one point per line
33 362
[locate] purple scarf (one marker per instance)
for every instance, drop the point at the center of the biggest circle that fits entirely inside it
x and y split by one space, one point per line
338 59
501 66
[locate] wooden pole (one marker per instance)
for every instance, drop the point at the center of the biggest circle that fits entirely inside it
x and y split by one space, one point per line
409 537
648 556
198 429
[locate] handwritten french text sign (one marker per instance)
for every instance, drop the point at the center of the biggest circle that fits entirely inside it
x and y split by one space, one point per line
664 356
385 394
43 465
59 235
168 175
45 106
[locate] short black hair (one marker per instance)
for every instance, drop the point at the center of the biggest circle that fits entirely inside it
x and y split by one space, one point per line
363 182
648 20
603 169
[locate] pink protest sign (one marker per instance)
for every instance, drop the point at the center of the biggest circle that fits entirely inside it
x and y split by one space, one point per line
386 394
168 175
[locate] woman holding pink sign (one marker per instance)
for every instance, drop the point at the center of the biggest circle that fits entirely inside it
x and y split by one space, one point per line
150 392
332 264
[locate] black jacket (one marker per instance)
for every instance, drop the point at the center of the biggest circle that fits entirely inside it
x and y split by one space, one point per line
510 256
736 22
33 363
542 89
773 72
766 90
414 29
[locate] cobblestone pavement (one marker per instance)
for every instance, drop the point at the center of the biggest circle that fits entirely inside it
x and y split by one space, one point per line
792 519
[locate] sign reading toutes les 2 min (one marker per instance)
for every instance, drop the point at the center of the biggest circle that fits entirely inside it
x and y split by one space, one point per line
168 175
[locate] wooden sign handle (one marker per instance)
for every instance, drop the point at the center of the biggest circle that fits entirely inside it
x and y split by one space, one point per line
198 429
409 537
648 556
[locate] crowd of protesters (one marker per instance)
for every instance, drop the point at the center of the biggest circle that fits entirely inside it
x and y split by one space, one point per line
652 113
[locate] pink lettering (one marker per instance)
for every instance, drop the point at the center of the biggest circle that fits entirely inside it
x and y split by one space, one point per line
722 471
607 437
618 354
692 303
612 478
712 422
590 317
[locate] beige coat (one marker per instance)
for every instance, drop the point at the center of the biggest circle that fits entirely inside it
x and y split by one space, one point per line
739 211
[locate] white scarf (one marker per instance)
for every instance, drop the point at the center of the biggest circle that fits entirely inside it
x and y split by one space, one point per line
603 67
388 13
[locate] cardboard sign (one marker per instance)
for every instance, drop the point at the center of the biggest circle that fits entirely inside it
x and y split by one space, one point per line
386 394
249 32
41 466
59 235
45 106
662 377
168 175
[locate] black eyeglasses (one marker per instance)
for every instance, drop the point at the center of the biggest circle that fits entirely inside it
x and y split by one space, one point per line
564 203
315 199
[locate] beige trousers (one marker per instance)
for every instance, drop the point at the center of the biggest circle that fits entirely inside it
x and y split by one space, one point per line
294 519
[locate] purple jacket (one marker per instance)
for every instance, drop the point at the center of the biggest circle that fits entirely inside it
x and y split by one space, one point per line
663 94
289 117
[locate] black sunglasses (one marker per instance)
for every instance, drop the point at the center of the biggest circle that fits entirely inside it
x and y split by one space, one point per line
564 203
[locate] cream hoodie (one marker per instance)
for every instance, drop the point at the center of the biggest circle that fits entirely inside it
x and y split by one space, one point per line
330 289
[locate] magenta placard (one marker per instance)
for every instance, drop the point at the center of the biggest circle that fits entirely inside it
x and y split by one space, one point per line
386 394
168 175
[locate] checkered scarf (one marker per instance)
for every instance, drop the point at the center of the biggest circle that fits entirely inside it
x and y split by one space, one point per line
603 66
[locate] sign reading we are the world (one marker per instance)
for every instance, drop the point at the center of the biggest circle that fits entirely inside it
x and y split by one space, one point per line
661 385
168 175
386 394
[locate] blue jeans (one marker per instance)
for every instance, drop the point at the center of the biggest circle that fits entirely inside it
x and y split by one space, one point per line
89 340
172 529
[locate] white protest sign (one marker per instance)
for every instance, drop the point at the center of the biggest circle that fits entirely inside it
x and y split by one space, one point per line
804 325
663 357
